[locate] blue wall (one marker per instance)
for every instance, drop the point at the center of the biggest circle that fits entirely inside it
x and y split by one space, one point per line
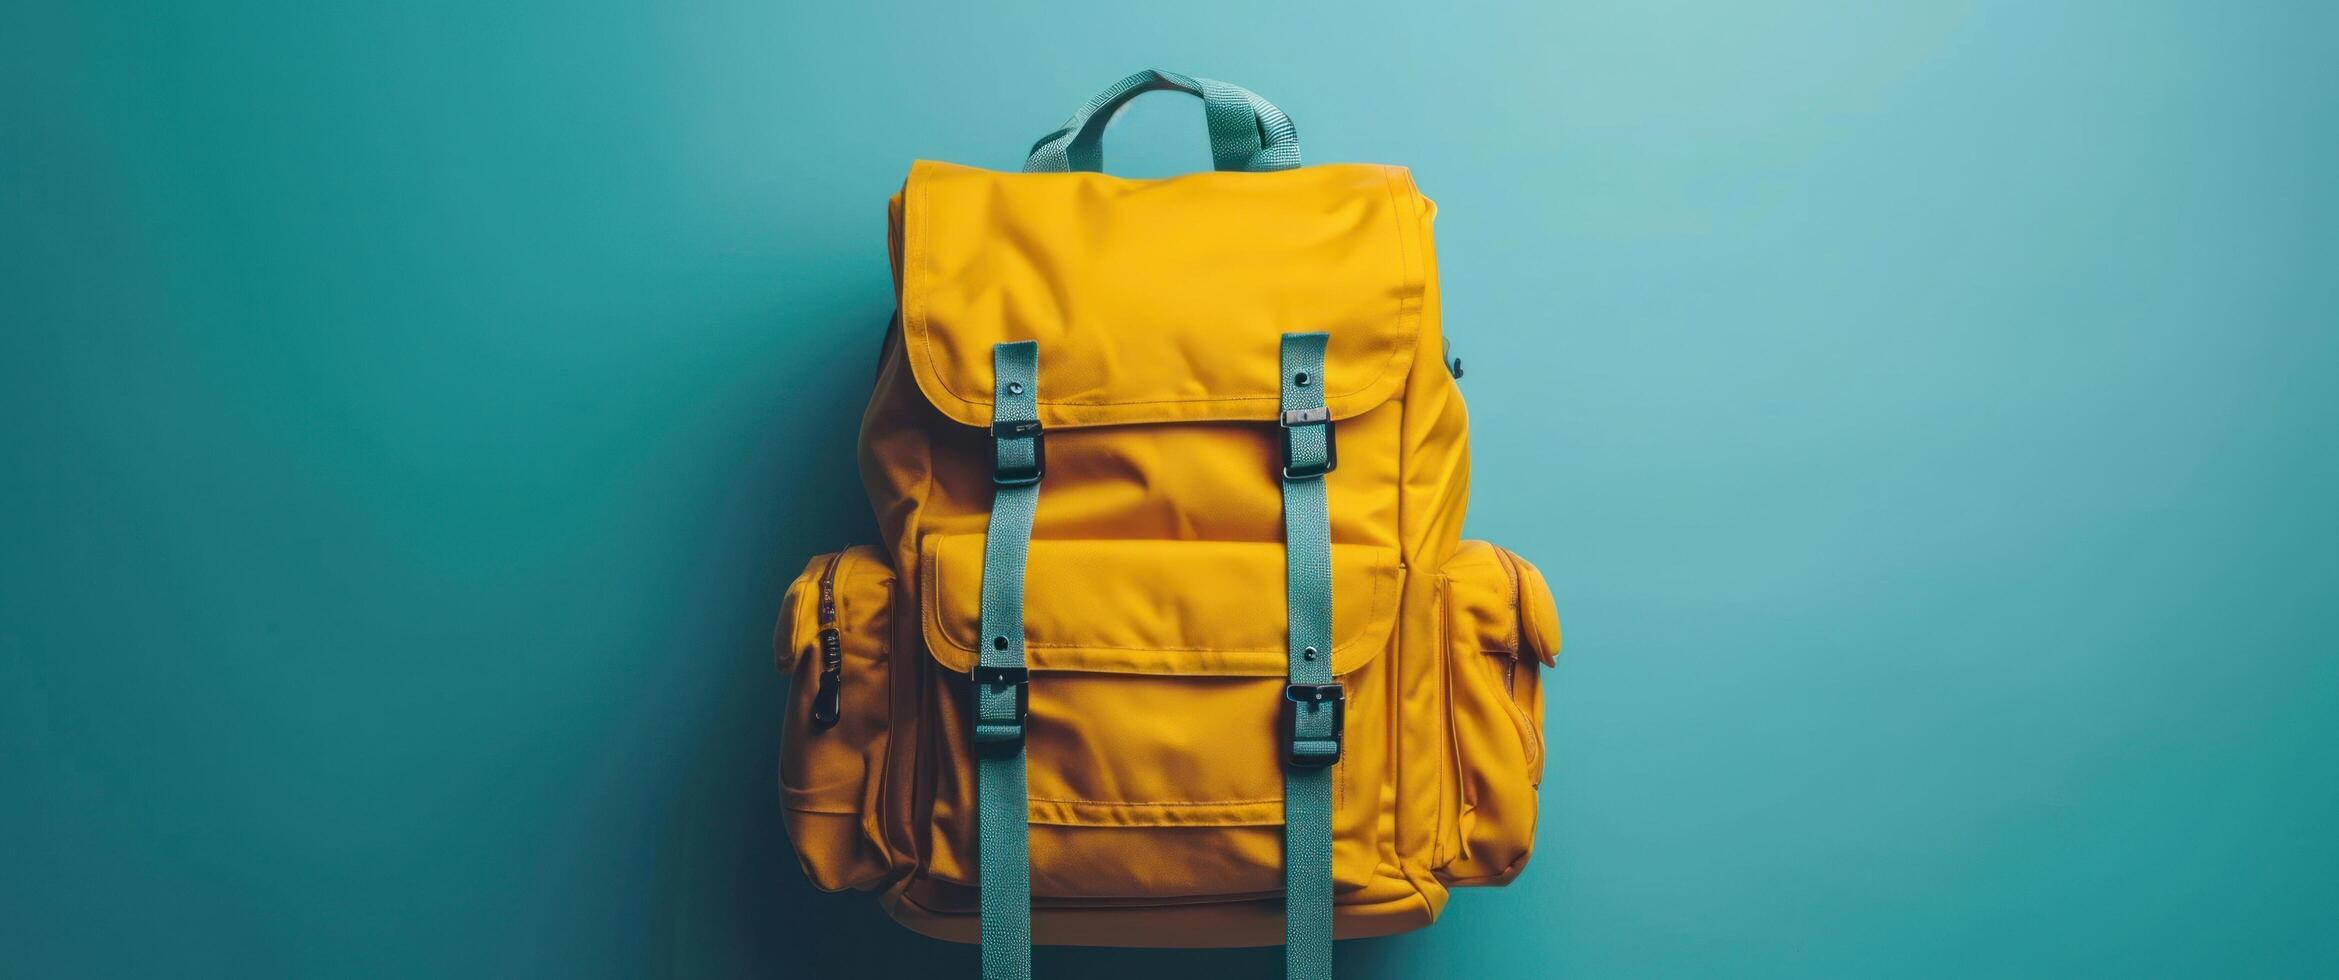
412 412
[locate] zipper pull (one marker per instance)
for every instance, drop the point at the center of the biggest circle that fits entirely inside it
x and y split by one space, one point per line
832 651
832 676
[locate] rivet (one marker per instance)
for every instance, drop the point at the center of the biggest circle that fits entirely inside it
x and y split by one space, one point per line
998 643
1300 379
1308 654
1015 387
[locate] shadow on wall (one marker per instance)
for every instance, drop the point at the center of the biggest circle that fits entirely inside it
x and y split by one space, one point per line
732 901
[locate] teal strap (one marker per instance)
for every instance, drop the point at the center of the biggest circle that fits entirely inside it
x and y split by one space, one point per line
1000 682
1246 131
1315 706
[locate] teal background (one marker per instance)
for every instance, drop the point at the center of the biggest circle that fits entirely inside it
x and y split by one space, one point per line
412 413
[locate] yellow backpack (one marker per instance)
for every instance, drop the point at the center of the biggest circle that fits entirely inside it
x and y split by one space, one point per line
1171 640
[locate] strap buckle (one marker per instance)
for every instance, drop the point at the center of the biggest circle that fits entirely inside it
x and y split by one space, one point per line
1004 732
1296 418
1318 747
1010 475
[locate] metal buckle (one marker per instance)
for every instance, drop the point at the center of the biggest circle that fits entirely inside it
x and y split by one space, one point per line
1295 696
1020 429
987 676
1297 417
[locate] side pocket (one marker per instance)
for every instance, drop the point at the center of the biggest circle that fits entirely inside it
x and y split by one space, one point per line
833 637
1501 629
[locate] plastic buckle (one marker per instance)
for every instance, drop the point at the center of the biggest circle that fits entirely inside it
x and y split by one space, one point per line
1300 417
1002 733
1020 429
1311 698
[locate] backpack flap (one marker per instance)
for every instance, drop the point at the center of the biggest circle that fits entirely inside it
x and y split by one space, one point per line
1159 300
1175 608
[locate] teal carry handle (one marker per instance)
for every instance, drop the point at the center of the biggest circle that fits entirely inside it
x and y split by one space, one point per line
1246 131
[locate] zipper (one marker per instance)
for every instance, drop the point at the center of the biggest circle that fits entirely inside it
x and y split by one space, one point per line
832 649
1510 664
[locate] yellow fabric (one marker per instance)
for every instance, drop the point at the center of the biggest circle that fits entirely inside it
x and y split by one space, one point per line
1159 623
1155 610
1083 262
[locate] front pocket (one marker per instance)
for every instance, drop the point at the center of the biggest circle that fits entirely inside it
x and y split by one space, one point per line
1157 676
1500 630
834 636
